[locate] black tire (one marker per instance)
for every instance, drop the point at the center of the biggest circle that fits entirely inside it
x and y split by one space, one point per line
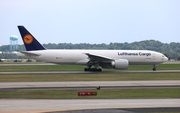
86 69
154 69
99 70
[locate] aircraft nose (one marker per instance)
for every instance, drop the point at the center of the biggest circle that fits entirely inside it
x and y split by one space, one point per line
166 59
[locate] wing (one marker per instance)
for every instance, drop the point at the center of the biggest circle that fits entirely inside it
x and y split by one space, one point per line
106 62
98 58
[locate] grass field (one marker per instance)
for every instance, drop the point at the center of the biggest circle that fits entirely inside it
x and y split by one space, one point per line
26 68
89 77
101 94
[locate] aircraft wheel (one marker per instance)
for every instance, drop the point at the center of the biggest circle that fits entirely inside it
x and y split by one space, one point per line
87 69
154 69
99 70
92 69
96 70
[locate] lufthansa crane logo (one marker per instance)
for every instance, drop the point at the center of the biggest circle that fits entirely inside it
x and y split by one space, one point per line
28 39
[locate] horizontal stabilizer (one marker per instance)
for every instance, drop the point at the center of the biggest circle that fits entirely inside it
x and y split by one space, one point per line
29 53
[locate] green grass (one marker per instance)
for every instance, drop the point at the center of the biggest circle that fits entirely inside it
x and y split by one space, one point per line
159 67
101 94
106 75
113 76
26 68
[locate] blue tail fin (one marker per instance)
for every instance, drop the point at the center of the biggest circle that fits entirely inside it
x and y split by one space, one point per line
30 42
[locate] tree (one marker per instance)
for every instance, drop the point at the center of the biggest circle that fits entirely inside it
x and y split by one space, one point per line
179 58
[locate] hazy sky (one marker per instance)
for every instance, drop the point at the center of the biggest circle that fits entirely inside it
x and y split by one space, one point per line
91 21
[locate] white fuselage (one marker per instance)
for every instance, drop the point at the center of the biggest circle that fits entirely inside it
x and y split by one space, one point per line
134 57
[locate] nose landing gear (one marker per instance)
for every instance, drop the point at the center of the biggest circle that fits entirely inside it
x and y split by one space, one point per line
154 67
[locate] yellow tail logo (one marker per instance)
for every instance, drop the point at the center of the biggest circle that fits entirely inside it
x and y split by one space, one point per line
28 39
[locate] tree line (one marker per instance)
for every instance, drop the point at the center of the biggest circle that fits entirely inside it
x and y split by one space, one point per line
171 50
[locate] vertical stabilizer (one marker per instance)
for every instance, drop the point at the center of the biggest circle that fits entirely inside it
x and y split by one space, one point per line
30 42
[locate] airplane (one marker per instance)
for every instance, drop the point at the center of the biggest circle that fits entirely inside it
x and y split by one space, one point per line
93 59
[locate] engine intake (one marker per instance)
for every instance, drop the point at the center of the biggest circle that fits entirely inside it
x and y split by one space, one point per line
120 64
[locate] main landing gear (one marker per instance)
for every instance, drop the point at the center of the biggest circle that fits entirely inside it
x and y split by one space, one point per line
93 69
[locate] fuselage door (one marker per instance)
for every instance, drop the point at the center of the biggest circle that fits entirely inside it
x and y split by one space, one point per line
153 56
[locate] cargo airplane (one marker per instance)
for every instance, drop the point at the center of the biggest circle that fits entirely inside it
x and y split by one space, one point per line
117 59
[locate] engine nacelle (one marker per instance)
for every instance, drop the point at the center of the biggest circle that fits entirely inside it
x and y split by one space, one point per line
120 64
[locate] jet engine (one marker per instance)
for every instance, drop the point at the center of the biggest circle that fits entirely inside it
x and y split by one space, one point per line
120 64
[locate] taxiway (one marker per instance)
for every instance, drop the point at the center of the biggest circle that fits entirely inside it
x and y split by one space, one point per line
152 83
82 72
52 105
